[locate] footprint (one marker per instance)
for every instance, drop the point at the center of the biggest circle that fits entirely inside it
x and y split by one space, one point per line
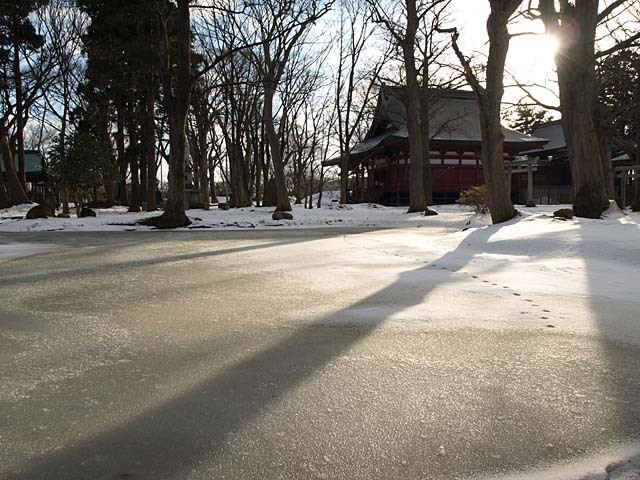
546 311
544 318
474 276
528 300
516 294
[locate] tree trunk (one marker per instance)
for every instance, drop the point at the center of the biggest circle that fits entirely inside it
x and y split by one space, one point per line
142 193
14 189
150 150
575 62
635 204
489 100
311 189
427 178
133 154
20 114
417 201
4 196
258 179
203 161
65 201
344 176
321 186
299 186
276 156
122 157
607 170
134 204
212 183
498 188
178 100
244 177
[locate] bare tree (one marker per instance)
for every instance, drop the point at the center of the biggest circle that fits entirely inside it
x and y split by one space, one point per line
279 26
403 24
489 98
355 36
176 86
575 24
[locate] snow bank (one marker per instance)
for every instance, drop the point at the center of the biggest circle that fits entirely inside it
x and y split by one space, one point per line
617 463
332 215
578 276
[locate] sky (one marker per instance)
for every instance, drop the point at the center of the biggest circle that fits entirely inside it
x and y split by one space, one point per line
530 57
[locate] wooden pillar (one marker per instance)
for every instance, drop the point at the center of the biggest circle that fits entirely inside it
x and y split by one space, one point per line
530 202
623 192
398 180
370 181
460 184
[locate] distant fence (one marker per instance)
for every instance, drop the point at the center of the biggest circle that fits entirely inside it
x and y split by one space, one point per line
548 195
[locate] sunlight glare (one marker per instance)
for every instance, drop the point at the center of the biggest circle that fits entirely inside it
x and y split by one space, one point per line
549 44
532 57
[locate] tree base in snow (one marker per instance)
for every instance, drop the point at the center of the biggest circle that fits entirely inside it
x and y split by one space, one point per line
590 201
430 213
165 221
416 210
280 215
563 213
40 211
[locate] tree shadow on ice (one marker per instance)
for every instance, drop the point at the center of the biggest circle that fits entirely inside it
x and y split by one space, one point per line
172 438
612 263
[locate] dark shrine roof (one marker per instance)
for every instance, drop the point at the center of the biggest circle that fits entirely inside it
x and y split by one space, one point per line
454 121
552 131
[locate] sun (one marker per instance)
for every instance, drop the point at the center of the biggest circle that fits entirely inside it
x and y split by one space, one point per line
533 56
550 44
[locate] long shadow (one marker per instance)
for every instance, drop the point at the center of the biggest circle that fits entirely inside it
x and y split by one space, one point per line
115 267
99 253
175 436
618 321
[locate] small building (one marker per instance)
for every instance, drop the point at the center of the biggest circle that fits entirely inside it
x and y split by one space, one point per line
35 172
552 179
379 165
34 165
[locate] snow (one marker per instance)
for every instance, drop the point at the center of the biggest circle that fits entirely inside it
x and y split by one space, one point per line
577 276
621 462
331 215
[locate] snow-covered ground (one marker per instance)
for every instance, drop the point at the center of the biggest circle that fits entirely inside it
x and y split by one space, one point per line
578 276
331 215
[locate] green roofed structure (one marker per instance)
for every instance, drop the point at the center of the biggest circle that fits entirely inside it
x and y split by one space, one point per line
33 164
